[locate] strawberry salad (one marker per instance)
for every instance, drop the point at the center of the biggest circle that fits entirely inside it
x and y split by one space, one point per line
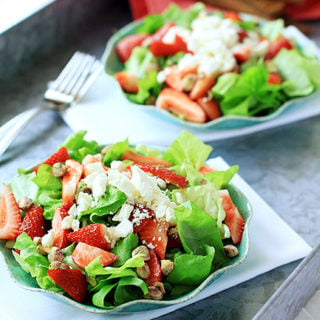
110 225
202 65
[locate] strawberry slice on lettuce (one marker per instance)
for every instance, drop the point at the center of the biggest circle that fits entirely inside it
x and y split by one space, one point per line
10 216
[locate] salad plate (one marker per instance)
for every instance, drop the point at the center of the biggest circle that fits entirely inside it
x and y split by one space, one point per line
113 65
22 277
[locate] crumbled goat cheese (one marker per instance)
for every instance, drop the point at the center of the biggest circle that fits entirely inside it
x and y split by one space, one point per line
67 222
123 213
84 202
118 165
94 167
47 239
99 185
75 225
124 228
122 182
170 36
226 231
73 210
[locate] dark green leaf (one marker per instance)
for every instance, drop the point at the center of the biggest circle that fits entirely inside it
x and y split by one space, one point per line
123 249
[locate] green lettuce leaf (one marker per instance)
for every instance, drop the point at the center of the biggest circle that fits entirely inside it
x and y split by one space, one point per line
78 147
46 180
190 269
116 152
123 249
224 83
197 230
22 185
94 268
107 204
302 72
33 262
187 148
206 198
173 14
148 87
99 299
221 179
272 29
129 289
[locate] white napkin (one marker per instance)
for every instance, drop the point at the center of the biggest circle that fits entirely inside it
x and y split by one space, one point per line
267 231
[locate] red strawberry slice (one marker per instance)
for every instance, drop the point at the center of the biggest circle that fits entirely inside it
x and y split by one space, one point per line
70 182
233 218
276 46
61 155
174 240
143 160
140 217
128 81
274 78
33 223
166 175
154 234
10 216
94 234
205 169
202 86
70 280
83 254
125 46
155 269
173 78
60 235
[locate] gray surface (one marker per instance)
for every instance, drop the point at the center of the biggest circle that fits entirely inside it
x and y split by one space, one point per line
282 165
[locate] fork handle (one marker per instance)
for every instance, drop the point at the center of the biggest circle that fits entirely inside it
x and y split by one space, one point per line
10 130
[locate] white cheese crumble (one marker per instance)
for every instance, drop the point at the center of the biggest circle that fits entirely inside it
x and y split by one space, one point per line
123 213
226 231
99 185
170 36
84 202
122 182
124 228
94 167
47 239
118 165
67 222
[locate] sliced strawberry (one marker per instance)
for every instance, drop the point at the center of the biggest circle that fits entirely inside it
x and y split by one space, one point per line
233 218
128 81
242 35
276 46
72 281
154 233
125 46
166 175
83 254
210 107
33 223
140 217
205 169
94 234
188 70
201 87
70 182
242 53
181 105
163 49
173 78
155 269
143 160
274 78
60 234
160 33
10 216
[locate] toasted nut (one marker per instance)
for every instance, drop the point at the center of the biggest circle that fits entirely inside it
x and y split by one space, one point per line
143 272
189 81
59 169
55 255
160 286
154 293
143 251
86 190
166 267
25 203
231 250
42 250
58 265
151 100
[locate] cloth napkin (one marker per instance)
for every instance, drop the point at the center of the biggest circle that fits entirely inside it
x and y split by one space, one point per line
295 9
267 231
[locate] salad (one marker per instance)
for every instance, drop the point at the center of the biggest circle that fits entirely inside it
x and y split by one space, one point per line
110 225
201 65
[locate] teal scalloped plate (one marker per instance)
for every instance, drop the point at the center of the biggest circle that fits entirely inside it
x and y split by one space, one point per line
24 279
113 64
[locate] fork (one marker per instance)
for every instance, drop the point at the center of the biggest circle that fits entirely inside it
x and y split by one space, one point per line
71 84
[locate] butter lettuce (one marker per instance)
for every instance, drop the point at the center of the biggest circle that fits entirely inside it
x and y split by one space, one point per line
198 230
78 147
115 152
33 262
22 185
123 249
221 179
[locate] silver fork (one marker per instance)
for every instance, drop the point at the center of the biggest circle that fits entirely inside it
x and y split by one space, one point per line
71 84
